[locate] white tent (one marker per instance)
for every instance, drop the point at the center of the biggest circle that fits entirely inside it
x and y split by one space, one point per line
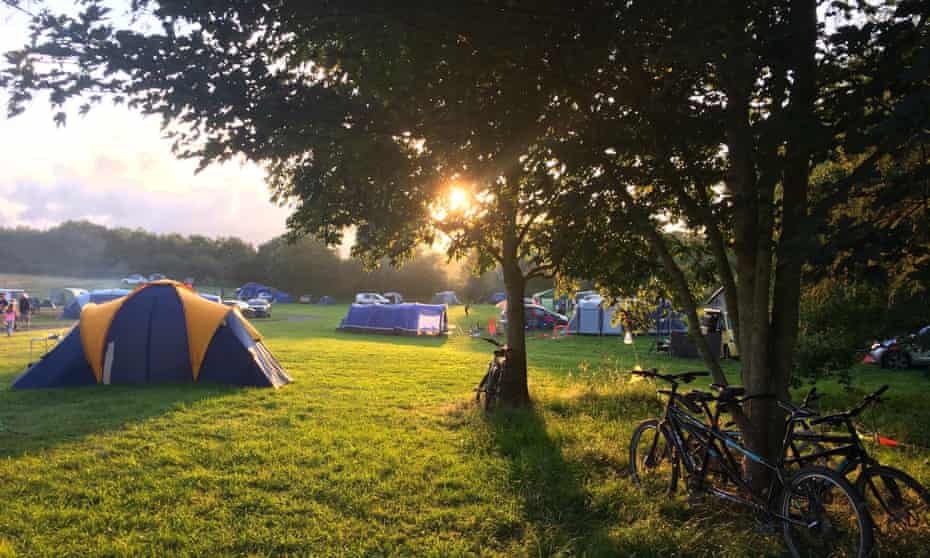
591 318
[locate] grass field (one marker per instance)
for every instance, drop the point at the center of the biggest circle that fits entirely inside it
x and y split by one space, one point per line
375 450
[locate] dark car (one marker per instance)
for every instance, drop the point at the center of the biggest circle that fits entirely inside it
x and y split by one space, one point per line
538 317
898 354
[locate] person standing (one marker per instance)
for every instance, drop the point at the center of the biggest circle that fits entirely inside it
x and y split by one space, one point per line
10 317
25 310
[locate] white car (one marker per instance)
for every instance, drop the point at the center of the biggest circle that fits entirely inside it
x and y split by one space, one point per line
907 353
370 298
259 308
135 279
242 305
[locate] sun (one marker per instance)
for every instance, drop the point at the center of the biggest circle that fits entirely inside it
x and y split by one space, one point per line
458 199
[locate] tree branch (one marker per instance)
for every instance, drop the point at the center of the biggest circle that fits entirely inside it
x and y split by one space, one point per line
679 282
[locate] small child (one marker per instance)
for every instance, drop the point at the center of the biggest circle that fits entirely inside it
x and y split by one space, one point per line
10 317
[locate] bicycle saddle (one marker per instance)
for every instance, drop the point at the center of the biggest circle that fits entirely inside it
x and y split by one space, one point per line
728 392
696 395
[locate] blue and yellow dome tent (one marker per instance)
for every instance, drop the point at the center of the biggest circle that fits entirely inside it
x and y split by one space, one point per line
160 333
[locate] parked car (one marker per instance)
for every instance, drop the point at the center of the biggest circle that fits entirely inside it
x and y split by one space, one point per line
538 317
305 299
370 298
134 279
266 296
242 305
898 354
259 308
157 277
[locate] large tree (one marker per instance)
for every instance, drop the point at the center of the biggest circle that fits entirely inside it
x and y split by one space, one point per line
714 122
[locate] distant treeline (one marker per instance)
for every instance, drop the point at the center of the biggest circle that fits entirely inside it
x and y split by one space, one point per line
83 249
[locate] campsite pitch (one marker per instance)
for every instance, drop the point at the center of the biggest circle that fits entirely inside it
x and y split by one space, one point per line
374 449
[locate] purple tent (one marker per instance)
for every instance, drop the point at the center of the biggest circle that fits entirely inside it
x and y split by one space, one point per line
396 319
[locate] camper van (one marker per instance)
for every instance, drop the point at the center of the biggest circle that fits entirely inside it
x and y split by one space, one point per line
718 320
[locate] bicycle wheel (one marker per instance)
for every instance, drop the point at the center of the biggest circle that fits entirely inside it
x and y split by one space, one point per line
492 388
831 517
653 463
896 501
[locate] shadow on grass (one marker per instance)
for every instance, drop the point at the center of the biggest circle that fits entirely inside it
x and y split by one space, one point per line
36 420
628 405
556 506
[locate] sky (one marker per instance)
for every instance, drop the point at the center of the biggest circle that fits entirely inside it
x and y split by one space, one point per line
113 167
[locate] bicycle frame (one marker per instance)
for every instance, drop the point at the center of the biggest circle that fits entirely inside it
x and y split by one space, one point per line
849 446
718 444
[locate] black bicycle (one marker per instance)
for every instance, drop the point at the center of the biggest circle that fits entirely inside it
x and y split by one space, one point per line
488 392
896 501
820 512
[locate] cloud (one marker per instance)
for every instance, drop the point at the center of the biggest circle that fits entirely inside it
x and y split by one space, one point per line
114 167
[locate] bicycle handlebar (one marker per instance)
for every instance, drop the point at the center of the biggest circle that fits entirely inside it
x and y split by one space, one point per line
874 397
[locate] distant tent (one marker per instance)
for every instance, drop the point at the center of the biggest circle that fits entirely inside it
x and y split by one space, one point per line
254 290
682 347
527 301
497 297
592 318
63 297
394 297
161 333
326 300
73 310
396 319
446 297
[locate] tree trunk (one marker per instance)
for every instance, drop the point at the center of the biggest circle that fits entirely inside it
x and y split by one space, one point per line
793 244
514 389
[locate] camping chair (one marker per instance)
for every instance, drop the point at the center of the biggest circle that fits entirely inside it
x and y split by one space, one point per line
53 337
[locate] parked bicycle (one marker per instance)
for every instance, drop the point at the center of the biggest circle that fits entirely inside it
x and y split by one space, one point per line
896 501
820 512
487 394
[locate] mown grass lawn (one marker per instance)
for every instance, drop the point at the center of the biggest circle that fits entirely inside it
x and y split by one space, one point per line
374 450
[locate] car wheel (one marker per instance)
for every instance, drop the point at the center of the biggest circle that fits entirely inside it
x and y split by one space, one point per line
896 360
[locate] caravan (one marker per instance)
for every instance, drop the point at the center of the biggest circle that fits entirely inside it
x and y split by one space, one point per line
717 320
